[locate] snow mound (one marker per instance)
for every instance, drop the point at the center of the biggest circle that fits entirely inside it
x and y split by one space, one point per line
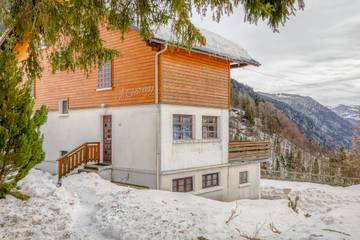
46 215
89 207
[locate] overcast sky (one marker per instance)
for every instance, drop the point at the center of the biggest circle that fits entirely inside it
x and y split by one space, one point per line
316 54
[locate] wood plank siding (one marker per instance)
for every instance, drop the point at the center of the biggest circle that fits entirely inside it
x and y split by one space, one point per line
194 79
133 78
184 78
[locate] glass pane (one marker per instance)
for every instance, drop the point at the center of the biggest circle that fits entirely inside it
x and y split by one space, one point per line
187 128
186 119
187 135
177 135
181 182
181 189
176 119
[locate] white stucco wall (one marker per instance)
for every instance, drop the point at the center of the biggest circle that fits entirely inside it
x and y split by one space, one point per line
216 193
196 152
229 188
133 136
248 190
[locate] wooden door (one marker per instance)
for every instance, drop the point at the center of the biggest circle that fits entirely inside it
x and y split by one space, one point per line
107 135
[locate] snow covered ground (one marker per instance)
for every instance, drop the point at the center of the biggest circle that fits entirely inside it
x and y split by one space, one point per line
88 207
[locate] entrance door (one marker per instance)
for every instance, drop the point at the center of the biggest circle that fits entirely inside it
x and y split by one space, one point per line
107 134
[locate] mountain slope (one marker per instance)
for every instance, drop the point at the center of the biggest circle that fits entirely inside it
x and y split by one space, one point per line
350 113
315 121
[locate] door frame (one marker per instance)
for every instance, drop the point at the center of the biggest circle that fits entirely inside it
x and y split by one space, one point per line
103 136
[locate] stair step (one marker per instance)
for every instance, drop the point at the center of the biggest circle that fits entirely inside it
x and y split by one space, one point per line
94 167
102 164
87 170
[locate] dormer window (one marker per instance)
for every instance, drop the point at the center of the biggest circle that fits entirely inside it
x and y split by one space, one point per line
105 76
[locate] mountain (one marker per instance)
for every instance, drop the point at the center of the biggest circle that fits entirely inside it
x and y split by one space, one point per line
317 122
351 113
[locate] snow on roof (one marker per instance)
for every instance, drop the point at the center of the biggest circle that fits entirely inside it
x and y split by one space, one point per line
216 45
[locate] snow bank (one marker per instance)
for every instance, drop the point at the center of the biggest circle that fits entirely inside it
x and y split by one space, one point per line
46 215
88 207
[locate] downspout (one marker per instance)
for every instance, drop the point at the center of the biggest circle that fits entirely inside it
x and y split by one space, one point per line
158 122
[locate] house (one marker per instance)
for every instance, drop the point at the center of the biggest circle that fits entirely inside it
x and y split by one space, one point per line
156 116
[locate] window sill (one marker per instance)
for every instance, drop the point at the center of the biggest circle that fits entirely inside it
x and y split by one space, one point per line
63 115
104 89
244 185
209 190
193 141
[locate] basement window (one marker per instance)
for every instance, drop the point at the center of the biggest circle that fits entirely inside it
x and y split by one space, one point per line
210 180
182 127
209 127
105 76
183 184
64 106
243 177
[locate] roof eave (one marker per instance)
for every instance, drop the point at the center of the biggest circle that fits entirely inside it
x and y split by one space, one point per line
242 62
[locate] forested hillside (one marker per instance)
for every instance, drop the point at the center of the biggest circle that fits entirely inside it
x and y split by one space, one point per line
254 118
317 122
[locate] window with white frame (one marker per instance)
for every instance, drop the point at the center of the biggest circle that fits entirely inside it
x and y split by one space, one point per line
209 127
243 177
182 127
104 75
64 106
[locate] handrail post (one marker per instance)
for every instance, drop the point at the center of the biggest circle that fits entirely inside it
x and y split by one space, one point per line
98 152
86 157
59 171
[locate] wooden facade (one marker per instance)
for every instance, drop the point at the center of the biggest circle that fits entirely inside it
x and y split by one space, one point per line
194 79
184 78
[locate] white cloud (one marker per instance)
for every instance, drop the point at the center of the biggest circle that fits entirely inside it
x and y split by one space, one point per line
317 53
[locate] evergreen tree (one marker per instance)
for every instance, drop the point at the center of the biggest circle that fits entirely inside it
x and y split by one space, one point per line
20 139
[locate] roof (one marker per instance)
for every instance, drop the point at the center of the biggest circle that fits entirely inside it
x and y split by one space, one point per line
216 45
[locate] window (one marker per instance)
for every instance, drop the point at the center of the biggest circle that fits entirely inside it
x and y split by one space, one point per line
32 93
243 178
182 127
210 180
209 127
104 75
183 184
64 106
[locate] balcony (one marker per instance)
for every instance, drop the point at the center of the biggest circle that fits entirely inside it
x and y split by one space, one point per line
249 151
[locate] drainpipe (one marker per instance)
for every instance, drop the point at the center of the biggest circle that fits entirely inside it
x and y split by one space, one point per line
158 122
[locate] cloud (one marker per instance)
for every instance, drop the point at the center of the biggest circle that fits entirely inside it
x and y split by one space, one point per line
317 53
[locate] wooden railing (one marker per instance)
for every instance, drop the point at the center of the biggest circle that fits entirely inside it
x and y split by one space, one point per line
88 152
335 180
249 151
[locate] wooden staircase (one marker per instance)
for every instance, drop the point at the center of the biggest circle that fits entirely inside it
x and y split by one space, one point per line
87 153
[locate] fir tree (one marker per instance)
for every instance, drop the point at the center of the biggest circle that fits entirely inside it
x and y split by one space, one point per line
20 138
